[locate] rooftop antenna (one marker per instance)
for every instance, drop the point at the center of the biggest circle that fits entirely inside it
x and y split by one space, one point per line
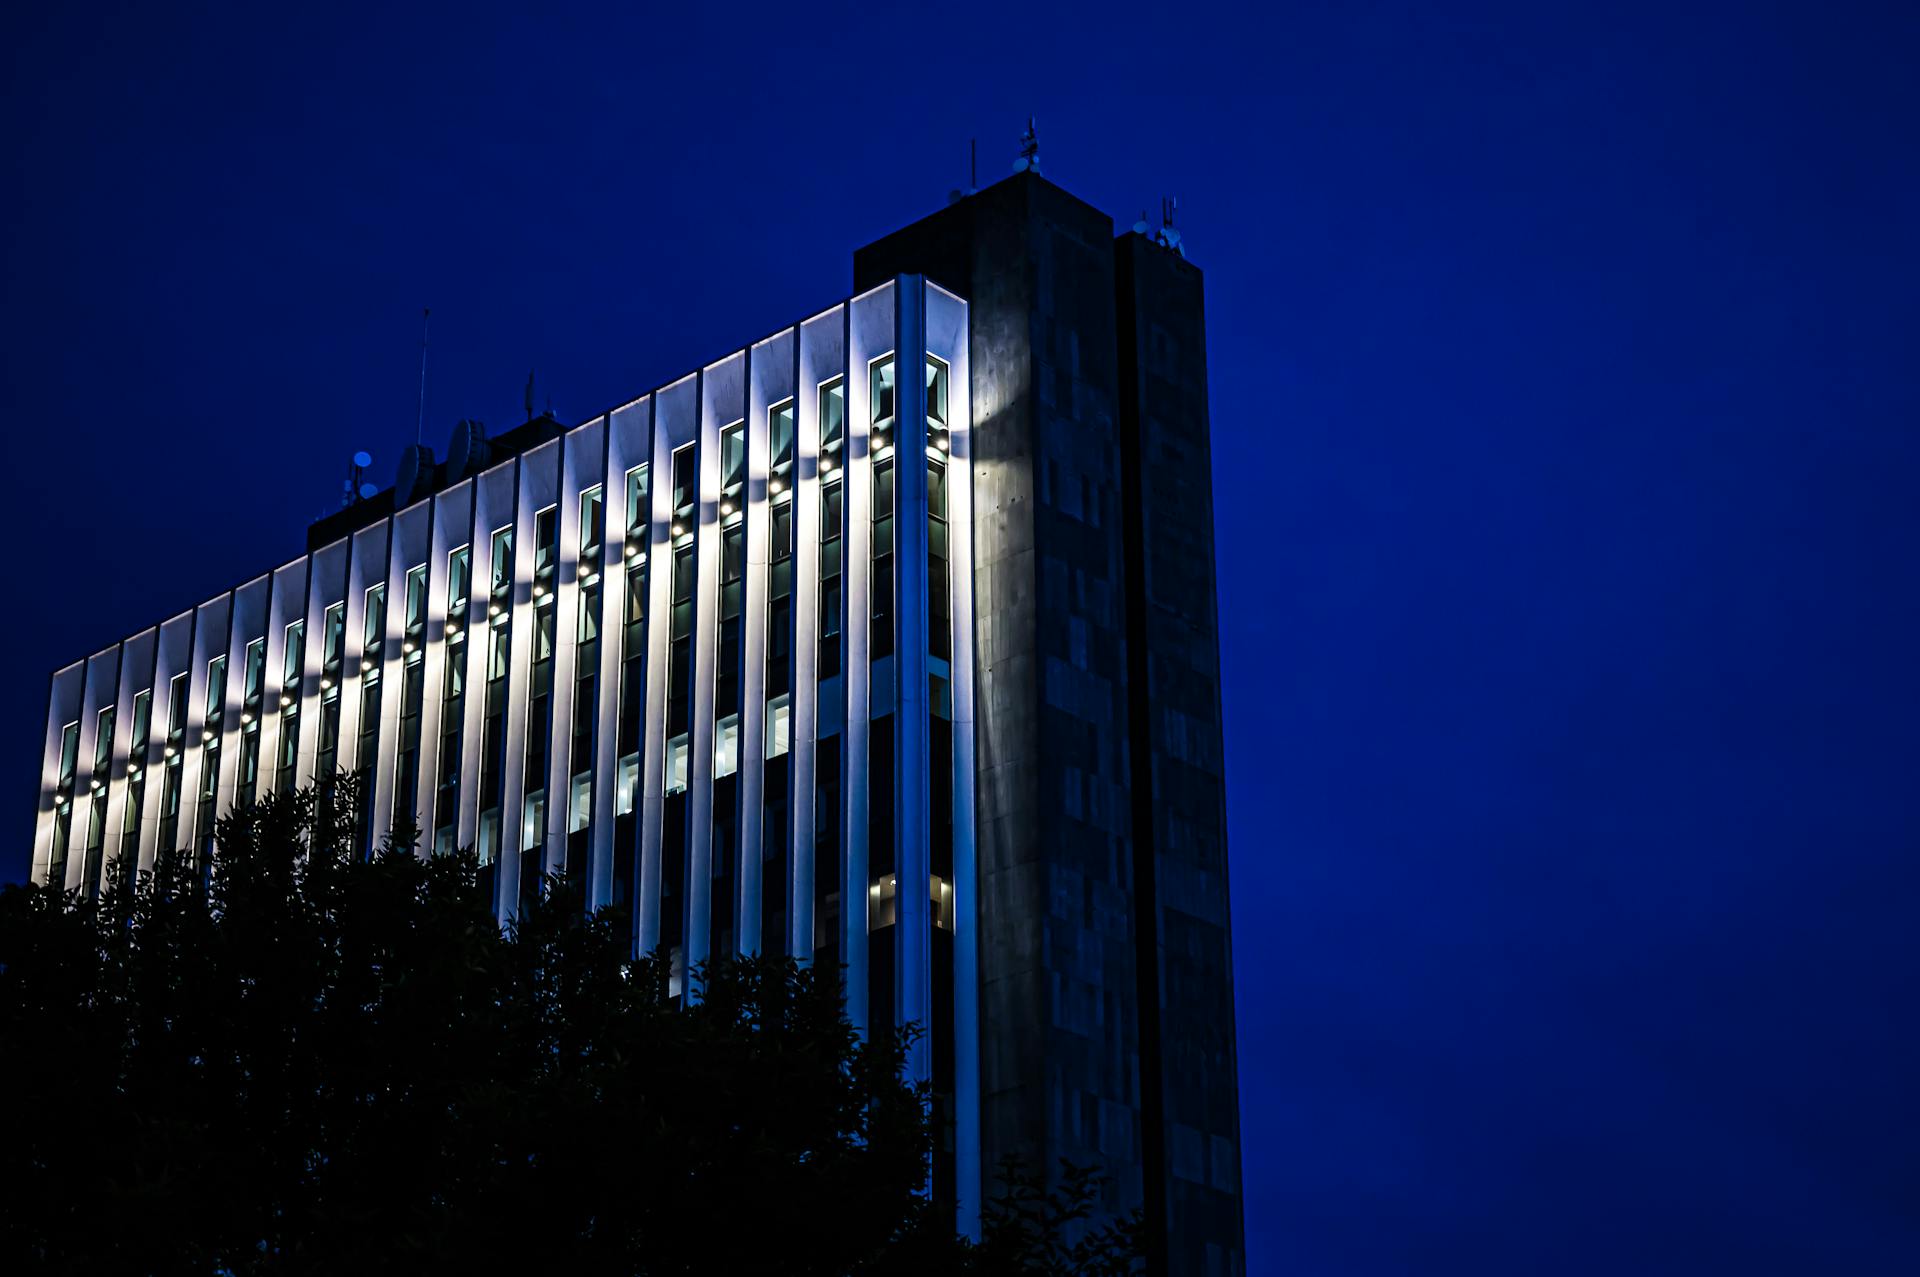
958 193
1029 161
529 399
420 420
356 488
1167 237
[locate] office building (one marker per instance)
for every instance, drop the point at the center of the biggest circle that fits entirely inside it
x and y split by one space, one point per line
916 594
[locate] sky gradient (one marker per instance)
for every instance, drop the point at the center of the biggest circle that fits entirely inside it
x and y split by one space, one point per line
1567 441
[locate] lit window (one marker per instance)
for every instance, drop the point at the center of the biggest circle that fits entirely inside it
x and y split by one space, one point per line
677 764
733 456
779 724
726 747
882 380
580 803
637 490
589 526
502 560
833 413
626 783
683 486
936 393
780 434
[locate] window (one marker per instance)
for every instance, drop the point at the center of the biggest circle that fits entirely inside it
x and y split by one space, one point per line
587 625
639 511
733 457
590 517
137 751
726 746
416 614
683 490
294 659
501 560
936 394
546 542
780 436
626 785
779 718
677 764
833 414
881 373
256 671
880 588
580 803
459 583
333 639
216 691
376 624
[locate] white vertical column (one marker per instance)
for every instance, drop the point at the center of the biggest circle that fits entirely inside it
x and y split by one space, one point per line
173 654
213 621
288 605
769 373
411 546
870 339
137 658
495 496
452 523
366 568
582 460
628 444
822 357
102 687
947 337
63 707
326 586
538 484
676 418
247 622
722 392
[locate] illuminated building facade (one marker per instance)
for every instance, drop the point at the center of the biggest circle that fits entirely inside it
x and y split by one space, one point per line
724 658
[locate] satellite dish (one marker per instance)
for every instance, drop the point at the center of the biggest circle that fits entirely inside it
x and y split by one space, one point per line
415 475
467 451
367 490
363 459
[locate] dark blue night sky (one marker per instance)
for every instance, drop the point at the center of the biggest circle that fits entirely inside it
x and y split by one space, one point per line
1567 447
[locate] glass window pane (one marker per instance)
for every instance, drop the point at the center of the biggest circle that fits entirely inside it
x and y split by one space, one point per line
726 746
833 413
779 717
882 391
780 433
677 764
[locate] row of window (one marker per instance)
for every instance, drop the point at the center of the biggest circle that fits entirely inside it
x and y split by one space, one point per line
584 717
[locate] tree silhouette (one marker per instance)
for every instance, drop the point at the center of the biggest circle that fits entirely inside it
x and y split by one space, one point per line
313 1061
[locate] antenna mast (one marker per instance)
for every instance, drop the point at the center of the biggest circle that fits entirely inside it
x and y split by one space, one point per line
420 421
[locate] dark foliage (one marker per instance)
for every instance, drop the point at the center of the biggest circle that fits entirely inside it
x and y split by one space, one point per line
323 1063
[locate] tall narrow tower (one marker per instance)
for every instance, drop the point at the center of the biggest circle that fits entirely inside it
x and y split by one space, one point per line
1105 958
